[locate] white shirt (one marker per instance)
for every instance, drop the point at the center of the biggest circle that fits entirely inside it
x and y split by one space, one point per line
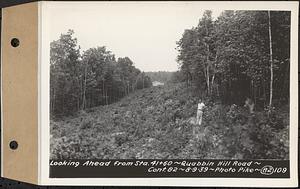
201 106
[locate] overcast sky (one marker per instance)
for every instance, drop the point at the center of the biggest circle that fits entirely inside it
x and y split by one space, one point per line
144 32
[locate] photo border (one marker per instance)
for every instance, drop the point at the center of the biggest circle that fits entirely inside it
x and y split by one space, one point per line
45 13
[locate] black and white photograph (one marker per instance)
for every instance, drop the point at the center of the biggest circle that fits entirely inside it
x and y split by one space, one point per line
150 93
169 82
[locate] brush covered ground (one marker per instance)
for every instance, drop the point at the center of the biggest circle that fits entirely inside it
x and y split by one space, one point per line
154 123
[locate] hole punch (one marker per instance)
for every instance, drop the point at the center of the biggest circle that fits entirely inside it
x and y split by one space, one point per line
13 145
15 42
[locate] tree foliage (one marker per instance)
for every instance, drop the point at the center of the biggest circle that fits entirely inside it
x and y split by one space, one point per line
92 78
229 57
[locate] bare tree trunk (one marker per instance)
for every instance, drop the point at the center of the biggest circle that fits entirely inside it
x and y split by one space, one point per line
106 97
53 101
84 90
254 93
212 83
207 79
103 91
213 73
271 60
63 102
143 82
207 70
264 91
78 103
285 82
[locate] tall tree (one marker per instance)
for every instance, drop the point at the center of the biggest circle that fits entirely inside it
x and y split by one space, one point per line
235 55
65 74
271 59
91 79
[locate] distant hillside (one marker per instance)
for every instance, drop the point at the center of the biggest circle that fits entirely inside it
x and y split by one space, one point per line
161 76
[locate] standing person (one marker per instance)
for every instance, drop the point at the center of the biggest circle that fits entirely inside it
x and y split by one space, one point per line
250 104
201 105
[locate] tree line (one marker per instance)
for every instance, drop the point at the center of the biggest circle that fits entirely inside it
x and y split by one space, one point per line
161 76
240 54
83 80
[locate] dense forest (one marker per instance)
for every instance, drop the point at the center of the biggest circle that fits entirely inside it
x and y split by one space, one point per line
83 80
111 111
240 54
